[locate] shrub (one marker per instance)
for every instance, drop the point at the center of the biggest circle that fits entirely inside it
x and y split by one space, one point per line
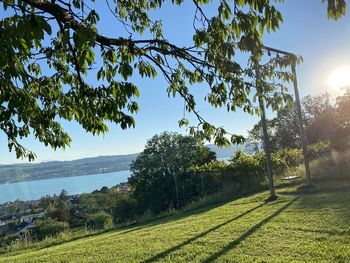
99 220
249 170
319 149
50 227
125 210
285 159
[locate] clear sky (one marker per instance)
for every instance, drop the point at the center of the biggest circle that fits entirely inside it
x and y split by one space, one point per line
324 45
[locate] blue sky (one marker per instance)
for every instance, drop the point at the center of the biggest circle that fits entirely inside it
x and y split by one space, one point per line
324 45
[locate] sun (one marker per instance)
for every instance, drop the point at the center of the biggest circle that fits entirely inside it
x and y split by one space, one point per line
340 78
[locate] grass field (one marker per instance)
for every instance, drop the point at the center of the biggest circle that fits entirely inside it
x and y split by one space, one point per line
298 227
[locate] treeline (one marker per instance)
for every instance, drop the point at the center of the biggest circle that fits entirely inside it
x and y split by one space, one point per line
324 119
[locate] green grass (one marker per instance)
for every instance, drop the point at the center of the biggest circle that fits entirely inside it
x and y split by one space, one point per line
301 226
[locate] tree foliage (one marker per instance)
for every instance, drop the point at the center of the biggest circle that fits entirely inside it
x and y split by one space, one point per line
99 220
49 228
160 174
319 119
49 50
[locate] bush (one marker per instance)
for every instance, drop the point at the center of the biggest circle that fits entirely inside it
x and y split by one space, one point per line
50 227
249 170
320 149
99 220
125 210
285 159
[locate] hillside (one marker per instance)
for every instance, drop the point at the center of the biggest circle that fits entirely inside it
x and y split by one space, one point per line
298 226
102 164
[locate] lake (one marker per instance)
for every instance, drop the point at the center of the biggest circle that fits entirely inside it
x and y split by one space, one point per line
33 190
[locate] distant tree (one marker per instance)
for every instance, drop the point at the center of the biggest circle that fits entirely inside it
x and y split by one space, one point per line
255 136
61 211
47 203
319 118
104 200
341 136
159 172
15 207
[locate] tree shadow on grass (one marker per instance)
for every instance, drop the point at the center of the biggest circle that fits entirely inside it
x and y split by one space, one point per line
251 231
136 226
170 250
183 214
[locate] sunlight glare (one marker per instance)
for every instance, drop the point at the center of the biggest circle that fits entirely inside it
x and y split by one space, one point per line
340 78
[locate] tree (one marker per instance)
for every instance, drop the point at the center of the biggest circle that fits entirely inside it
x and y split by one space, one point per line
47 203
341 134
319 118
160 173
49 49
61 210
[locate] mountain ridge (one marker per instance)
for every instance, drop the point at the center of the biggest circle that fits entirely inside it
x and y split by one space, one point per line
11 173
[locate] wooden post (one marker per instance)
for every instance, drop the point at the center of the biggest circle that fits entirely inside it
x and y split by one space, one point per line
301 127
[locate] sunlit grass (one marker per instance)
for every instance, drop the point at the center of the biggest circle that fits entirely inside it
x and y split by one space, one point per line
297 227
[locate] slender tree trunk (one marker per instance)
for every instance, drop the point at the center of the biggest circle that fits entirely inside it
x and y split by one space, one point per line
176 192
265 135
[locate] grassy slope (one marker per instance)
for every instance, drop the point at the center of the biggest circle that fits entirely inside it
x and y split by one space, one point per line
296 227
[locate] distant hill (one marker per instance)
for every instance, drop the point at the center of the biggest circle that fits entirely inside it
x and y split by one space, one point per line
225 152
93 165
45 170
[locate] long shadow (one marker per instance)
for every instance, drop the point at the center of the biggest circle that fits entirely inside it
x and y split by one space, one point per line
170 250
251 231
184 214
138 225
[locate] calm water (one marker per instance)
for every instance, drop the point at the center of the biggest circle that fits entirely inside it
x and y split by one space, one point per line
33 190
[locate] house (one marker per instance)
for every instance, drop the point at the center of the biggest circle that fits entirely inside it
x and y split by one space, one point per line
80 214
3 228
24 228
10 218
32 218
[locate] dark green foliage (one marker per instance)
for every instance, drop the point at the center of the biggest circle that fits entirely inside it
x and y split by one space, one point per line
60 209
125 210
103 200
99 220
160 177
49 51
49 227
246 173
248 169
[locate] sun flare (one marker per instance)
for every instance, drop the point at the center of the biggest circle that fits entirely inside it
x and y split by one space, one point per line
340 78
